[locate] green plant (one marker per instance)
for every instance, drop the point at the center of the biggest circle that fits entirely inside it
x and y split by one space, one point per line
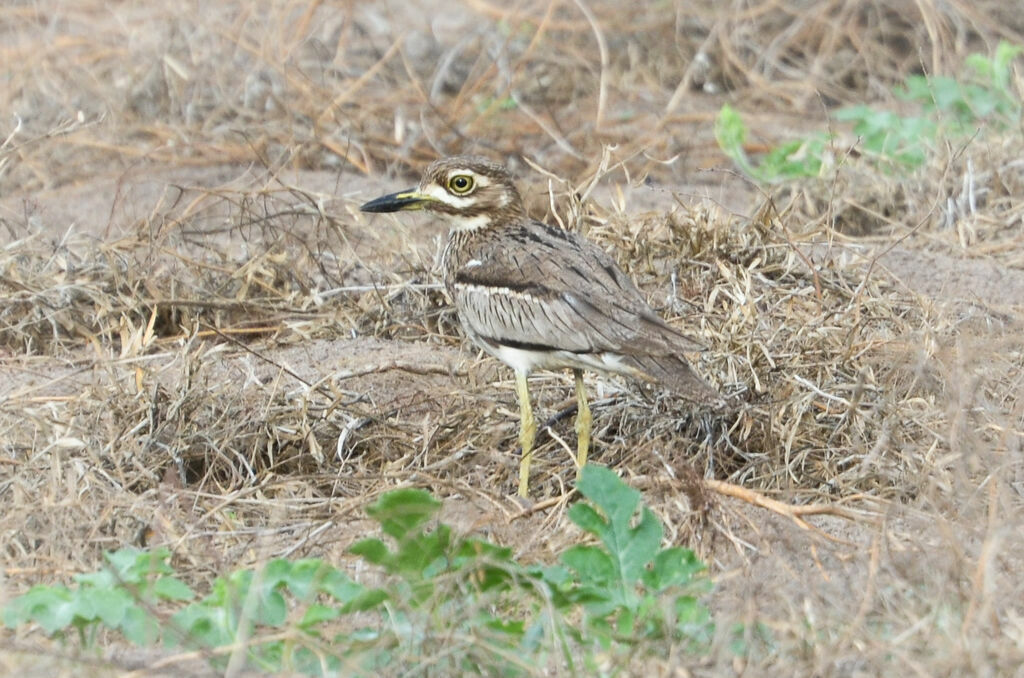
793 160
985 96
950 106
889 139
304 596
458 604
630 587
121 597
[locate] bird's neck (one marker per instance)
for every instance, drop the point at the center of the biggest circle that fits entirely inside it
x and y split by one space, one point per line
468 248
456 254
476 222
471 236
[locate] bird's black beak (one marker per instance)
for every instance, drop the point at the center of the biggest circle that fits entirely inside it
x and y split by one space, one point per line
397 202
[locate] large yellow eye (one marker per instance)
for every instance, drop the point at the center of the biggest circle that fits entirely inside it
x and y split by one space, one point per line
460 184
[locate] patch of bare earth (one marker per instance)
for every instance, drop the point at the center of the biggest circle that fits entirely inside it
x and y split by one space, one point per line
205 345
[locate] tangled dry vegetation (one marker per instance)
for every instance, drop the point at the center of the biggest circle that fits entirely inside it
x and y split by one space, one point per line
204 344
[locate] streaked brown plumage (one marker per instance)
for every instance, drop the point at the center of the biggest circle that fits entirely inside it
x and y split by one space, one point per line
535 296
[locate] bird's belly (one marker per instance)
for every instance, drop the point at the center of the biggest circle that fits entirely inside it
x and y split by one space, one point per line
526 360
523 359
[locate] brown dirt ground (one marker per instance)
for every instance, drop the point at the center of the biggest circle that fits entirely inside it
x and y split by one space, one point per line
316 339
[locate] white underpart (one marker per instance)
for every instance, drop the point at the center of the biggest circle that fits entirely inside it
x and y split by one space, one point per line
526 361
518 359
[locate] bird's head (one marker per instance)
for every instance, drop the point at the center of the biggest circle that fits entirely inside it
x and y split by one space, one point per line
469 191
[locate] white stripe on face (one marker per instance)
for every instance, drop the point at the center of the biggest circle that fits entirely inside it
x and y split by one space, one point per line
444 195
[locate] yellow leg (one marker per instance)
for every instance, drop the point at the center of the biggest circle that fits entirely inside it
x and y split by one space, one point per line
582 423
527 431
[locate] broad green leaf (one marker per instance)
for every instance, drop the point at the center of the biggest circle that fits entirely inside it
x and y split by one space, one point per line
132 565
170 588
402 511
367 600
588 519
104 580
108 605
200 625
139 627
631 548
273 610
339 586
371 549
673 566
640 545
306 576
276 572
693 620
51 607
617 500
514 628
318 614
591 564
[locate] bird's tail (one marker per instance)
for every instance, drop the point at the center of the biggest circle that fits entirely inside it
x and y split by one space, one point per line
678 375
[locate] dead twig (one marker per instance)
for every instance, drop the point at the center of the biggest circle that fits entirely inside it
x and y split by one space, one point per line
794 512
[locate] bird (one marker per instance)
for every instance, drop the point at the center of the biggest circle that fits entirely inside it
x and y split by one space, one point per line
536 296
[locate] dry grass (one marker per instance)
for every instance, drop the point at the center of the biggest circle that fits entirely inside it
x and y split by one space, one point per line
206 345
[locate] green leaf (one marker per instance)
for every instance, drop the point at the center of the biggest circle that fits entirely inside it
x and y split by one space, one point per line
318 614
135 566
139 627
591 564
731 134
605 489
52 607
107 605
673 566
170 588
435 585
306 575
276 572
793 159
273 610
1002 64
367 600
587 518
631 548
200 624
104 579
372 549
401 511
693 620
339 586
514 628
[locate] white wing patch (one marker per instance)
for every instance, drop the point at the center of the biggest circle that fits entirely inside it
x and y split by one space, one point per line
488 291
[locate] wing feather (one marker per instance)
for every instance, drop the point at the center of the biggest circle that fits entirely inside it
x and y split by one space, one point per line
549 287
